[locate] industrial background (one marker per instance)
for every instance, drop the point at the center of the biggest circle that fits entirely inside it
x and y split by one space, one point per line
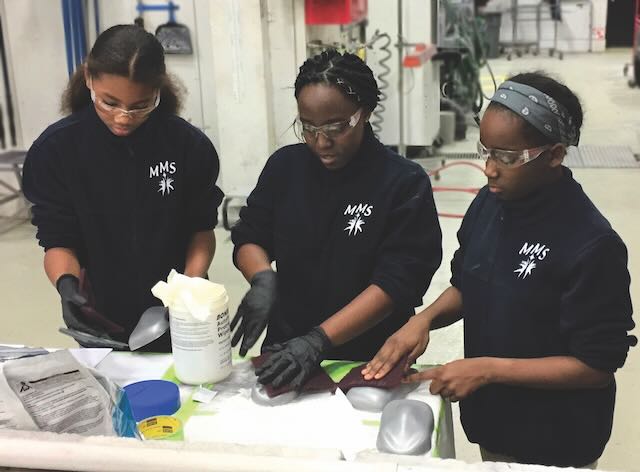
436 61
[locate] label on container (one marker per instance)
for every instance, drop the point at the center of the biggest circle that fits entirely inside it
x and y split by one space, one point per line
224 338
190 334
201 349
161 427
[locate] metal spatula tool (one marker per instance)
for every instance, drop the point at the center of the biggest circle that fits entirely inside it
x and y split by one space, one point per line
153 323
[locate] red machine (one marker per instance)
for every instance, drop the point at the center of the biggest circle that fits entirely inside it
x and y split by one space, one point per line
334 12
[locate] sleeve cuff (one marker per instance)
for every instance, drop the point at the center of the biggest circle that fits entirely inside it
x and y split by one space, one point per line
394 291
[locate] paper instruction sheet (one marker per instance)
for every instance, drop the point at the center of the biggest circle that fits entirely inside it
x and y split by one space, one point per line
57 393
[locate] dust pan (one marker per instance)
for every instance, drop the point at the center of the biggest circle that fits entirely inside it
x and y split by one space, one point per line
174 37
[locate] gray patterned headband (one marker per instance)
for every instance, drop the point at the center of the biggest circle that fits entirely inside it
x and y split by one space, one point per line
539 110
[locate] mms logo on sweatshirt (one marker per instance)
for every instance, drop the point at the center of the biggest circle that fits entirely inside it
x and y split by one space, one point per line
358 212
163 170
532 253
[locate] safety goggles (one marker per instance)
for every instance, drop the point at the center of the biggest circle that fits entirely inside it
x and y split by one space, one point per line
330 131
134 113
510 159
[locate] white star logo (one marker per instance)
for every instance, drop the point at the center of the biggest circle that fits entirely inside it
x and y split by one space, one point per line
526 267
166 185
354 225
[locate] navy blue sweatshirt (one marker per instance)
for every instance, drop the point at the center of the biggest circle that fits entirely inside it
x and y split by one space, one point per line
543 276
128 206
334 233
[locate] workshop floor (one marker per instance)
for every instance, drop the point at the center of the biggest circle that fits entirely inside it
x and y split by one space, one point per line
31 314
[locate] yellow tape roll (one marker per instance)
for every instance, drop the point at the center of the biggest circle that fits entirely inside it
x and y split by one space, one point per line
161 427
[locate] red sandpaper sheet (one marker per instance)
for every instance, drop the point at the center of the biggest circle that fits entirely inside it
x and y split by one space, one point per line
355 378
319 381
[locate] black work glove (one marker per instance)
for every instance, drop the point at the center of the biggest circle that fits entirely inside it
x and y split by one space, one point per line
72 302
256 308
293 362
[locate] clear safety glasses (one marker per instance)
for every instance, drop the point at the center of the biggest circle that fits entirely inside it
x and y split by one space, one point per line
330 131
510 159
134 113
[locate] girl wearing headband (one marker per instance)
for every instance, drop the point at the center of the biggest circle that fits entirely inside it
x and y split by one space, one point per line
541 281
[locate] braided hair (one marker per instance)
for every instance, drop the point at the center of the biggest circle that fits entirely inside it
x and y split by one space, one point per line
345 71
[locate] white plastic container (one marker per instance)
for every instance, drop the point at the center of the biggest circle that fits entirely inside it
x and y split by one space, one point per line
199 323
201 349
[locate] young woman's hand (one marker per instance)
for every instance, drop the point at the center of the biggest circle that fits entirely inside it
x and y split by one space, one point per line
73 302
411 339
293 362
456 380
254 311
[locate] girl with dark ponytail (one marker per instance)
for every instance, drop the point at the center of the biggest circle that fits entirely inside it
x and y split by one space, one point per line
123 190
351 225
126 51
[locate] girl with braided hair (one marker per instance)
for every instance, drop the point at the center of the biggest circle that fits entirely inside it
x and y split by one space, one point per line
351 225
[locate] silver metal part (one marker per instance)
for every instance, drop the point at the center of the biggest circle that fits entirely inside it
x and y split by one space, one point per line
406 428
259 396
